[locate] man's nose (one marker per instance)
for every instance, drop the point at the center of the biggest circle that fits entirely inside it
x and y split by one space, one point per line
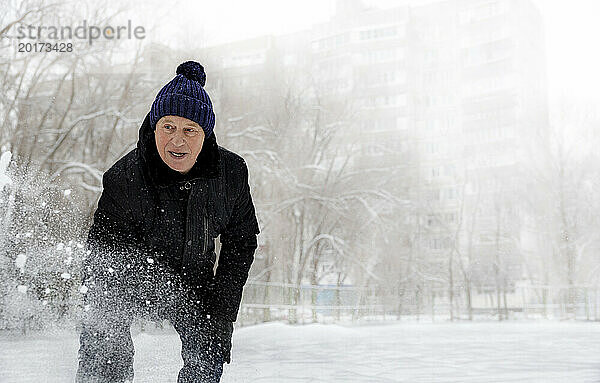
178 140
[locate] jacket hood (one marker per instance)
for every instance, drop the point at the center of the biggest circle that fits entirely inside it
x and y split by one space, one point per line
159 173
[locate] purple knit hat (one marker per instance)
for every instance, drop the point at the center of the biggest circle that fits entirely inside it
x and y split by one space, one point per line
185 96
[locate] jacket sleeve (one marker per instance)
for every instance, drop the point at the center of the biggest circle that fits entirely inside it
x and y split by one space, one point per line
238 244
110 240
118 269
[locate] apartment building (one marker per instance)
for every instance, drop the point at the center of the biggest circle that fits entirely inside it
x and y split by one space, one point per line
449 97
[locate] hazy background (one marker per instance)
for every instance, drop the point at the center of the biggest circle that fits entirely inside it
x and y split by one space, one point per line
570 30
427 169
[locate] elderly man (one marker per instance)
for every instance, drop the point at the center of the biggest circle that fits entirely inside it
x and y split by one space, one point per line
151 250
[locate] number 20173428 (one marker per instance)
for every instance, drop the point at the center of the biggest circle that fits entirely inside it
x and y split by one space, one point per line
45 47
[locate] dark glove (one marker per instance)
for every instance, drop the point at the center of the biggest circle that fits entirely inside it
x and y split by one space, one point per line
222 333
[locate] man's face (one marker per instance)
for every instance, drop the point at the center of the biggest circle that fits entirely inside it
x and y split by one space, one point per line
178 141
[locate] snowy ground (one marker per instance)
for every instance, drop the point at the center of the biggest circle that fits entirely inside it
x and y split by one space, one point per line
401 352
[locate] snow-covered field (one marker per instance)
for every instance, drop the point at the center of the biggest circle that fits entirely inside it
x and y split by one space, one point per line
400 352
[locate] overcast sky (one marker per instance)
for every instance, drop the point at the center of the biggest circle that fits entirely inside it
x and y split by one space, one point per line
572 30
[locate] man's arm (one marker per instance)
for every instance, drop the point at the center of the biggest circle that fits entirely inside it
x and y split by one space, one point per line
238 244
110 239
118 268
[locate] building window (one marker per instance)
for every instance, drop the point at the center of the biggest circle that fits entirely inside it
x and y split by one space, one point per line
482 12
433 194
244 60
378 33
440 243
402 123
450 217
450 193
290 59
331 42
382 55
393 100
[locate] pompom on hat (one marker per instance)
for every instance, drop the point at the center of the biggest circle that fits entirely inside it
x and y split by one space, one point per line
185 96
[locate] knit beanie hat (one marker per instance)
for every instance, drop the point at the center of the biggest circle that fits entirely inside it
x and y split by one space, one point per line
185 96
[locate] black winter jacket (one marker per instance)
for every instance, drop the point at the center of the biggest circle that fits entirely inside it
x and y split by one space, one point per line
152 239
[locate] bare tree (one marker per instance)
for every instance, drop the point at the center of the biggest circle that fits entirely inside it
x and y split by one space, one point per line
562 199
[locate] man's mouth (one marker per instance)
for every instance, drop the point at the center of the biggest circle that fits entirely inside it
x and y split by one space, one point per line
177 154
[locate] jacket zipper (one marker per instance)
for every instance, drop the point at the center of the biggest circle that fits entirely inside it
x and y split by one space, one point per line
205 221
186 253
187 186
